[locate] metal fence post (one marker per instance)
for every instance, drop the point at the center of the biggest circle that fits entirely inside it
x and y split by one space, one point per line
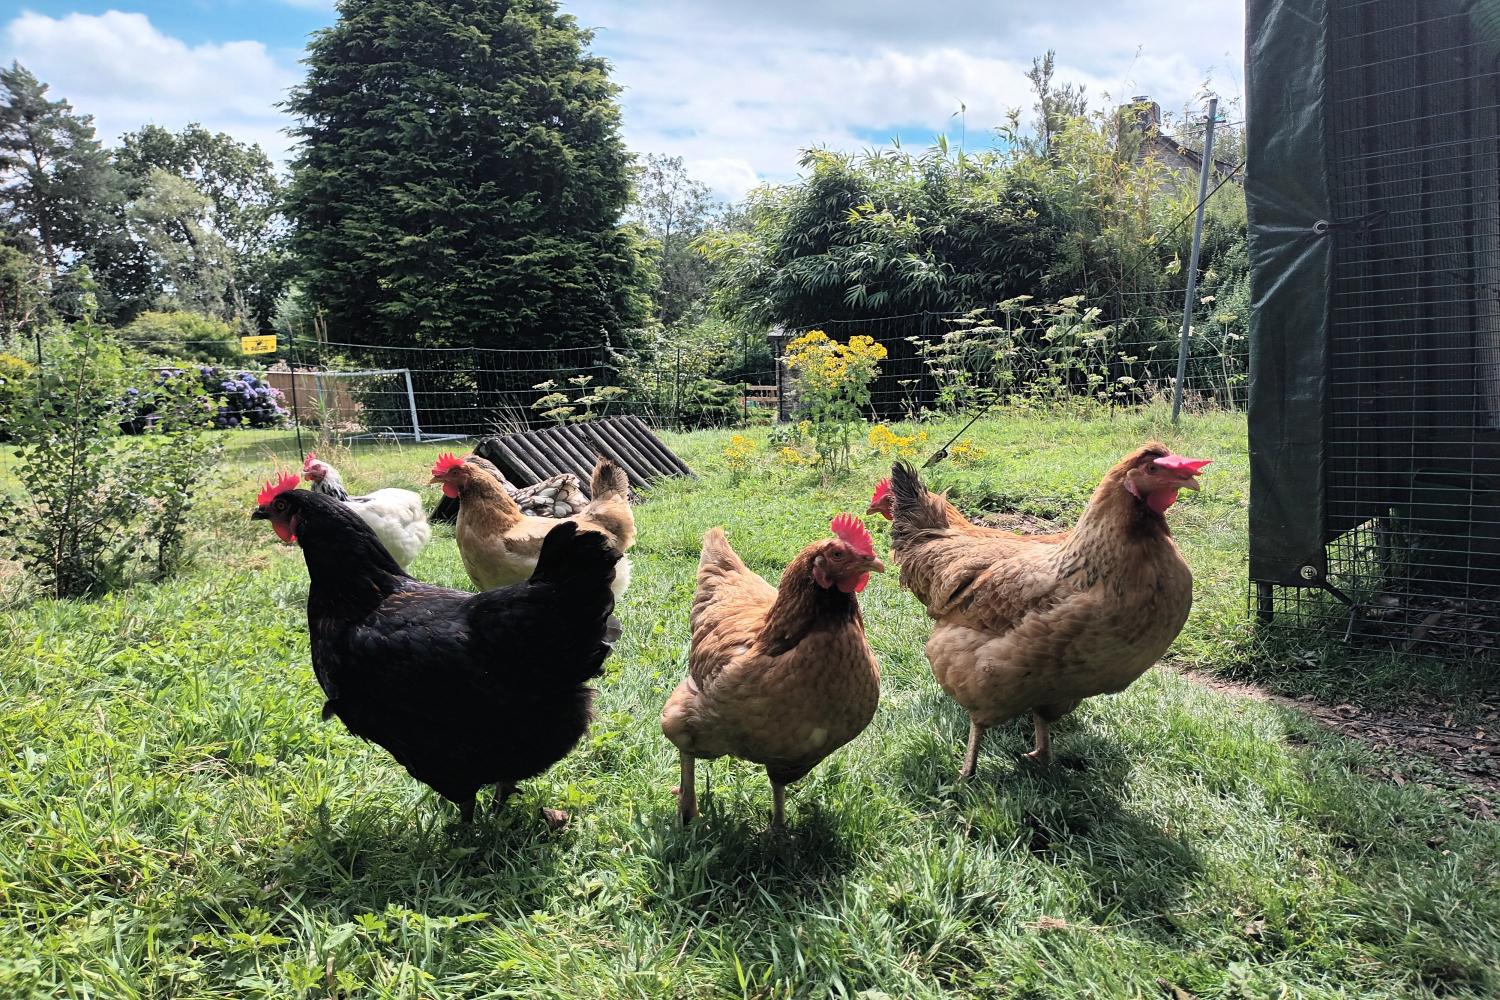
1192 276
296 417
677 391
411 404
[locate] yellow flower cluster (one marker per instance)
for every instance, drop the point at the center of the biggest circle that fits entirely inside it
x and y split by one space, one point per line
888 443
738 454
827 365
967 453
792 457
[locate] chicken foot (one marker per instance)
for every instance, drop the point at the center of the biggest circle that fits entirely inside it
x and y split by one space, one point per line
778 805
1042 754
556 819
971 756
1042 718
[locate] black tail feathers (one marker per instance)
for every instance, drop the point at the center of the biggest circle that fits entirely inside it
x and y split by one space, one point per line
569 555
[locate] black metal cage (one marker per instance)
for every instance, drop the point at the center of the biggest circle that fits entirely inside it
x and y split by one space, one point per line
1374 196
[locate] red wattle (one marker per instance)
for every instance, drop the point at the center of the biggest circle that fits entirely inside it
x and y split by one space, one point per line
450 492
856 585
284 532
1160 500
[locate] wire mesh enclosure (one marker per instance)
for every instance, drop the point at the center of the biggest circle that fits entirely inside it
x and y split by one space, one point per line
957 360
435 393
1374 192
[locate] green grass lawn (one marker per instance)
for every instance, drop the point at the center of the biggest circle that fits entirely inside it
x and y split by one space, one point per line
175 820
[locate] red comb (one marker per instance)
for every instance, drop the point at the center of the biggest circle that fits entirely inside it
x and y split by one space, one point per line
275 487
882 490
1191 465
307 462
852 531
446 462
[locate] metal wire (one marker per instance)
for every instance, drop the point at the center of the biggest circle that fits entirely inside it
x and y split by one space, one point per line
1412 458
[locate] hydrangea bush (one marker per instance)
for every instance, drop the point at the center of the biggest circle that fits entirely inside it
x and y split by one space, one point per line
246 399
234 398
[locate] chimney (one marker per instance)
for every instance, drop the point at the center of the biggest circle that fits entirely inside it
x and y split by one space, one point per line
1145 114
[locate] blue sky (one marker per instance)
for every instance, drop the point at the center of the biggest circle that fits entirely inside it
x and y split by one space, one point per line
735 88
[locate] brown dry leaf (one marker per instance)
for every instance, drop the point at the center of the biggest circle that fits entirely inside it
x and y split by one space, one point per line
1052 924
1175 992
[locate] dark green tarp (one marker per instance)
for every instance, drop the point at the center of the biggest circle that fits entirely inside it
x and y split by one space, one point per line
1287 197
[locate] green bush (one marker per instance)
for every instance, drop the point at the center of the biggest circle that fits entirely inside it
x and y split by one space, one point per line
692 374
93 503
15 383
183 335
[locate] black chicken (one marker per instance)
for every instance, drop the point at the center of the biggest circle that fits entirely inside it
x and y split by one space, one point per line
463 689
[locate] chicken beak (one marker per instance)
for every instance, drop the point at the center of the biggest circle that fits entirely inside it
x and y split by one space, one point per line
875 565
1190 483
259 514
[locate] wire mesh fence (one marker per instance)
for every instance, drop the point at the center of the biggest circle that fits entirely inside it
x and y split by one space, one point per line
1411 451
957 360
937 363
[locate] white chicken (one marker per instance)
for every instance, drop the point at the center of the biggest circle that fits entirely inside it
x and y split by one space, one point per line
396 516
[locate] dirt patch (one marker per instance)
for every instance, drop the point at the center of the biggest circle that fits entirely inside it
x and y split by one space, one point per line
1469 752
1017 522
1422 623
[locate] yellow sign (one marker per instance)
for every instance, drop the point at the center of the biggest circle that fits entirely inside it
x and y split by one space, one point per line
257 345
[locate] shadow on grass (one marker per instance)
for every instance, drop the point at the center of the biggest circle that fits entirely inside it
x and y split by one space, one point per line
730 859
1069 815
1321 665
367 857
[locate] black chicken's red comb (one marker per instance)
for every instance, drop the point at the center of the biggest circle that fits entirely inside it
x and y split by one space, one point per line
275 487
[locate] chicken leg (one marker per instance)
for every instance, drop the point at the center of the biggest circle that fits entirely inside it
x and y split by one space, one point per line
503 792
1042 754
687 793
1042 718
971 756
778 805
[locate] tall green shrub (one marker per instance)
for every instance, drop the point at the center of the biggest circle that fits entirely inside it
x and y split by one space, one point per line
92 503
461 179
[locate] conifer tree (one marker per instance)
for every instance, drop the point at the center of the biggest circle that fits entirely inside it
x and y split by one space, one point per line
461 178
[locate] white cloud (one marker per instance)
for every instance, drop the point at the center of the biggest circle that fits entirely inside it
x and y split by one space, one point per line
126 73
737 90
751 86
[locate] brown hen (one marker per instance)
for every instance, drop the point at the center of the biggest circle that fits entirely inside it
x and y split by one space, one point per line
1038 623
499 544
781 678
